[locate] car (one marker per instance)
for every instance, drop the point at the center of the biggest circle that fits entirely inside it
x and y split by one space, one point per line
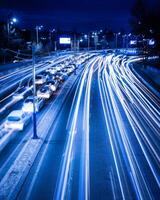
17 120
58 68
62 77
53 85
51 70
45 73
69 70
58 77
21 93
28 104
51 77
44 92
50 61
15 61
40 79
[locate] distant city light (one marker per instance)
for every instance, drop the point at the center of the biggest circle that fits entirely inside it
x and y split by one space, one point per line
133 42
151 42
14 20
40 27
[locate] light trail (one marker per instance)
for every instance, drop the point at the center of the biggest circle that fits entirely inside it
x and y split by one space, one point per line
132 118
61 187
122 92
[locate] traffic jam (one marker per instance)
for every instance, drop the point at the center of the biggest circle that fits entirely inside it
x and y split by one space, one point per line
47 84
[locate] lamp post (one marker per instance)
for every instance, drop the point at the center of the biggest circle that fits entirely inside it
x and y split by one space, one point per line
128 35
38 28
34 48
37 36
88 41
35 136
10 21
116 38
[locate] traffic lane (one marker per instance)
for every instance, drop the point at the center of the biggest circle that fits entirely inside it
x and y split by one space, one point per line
68 136
76 161
19 106
135 149
13 148
74 172
45 177
101 161
129 131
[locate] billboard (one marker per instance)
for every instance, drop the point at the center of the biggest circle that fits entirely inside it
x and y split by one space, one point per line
65 40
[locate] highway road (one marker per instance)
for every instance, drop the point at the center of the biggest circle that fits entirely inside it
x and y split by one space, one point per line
104 142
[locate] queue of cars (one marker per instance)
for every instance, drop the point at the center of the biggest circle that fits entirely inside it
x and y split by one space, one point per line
47 82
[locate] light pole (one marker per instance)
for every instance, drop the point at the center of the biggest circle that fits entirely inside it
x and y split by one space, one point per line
116 37
80 42
88 41
126 40
37 36
10 21
34 47
35 136
38 28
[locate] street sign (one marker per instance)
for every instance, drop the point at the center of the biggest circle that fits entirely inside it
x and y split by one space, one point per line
65 40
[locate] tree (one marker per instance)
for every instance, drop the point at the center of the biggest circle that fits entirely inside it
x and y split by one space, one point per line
145 20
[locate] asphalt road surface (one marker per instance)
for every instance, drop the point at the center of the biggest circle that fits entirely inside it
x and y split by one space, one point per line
105 141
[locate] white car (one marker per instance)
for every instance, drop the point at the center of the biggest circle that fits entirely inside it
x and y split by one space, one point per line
28 104
40 79
58 68
51 70
68 70
44 92
17 120
53 85
15 61
21 93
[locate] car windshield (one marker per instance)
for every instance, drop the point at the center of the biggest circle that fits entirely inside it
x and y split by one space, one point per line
29 101
43 89
39 77
13 118
51 82
20 90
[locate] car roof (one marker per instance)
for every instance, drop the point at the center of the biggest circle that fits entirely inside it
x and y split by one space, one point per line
39 75
16 113
45 87
30 97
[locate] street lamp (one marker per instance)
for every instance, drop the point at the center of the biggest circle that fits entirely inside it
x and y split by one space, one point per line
128 35
14 20
88 41
116 37
10 21
34 48
38 28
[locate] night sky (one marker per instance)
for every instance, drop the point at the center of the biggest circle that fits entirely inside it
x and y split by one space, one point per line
82 15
